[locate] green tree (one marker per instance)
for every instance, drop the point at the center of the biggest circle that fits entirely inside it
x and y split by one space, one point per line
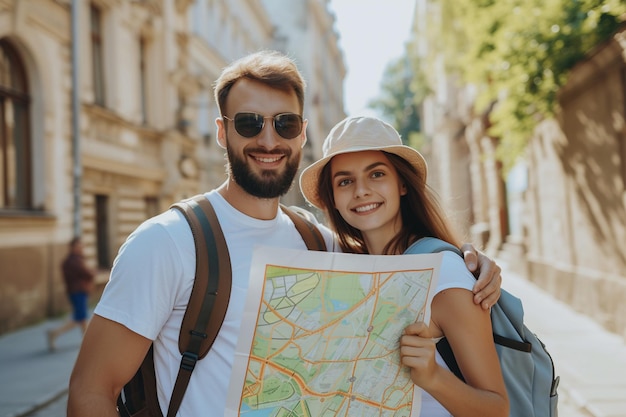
399 102
518 53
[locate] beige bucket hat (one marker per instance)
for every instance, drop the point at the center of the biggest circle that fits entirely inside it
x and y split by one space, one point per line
355 134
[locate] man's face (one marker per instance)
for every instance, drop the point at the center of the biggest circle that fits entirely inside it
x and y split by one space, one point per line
266 164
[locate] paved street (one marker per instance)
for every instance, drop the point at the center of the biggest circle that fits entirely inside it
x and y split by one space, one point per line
55 408
590 361
29 374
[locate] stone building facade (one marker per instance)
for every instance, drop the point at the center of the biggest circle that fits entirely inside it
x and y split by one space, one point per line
576 197
559 216
146 131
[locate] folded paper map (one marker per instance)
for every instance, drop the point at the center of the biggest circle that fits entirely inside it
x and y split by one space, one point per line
320 334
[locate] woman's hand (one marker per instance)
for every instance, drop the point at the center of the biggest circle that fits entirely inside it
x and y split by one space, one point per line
417 351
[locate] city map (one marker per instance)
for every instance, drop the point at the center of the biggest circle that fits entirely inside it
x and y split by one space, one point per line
323 340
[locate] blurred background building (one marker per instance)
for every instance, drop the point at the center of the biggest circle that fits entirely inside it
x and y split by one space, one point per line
107 117
137 132
558 213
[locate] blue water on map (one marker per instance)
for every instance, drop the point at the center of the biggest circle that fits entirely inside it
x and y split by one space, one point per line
246 411
339 306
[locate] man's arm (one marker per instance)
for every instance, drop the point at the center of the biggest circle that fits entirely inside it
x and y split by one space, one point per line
109 356
487 287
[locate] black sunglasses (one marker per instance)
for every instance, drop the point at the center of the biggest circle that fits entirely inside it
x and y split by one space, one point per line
248 125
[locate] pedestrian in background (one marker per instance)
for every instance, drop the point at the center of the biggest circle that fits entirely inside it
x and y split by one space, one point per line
78 278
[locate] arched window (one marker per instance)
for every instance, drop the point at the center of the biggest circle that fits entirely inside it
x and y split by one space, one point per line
15 143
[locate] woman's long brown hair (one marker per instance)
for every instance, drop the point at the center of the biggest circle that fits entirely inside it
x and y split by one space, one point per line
421 213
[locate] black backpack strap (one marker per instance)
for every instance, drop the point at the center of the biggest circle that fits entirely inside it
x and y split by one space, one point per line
210 293
310 233
445 350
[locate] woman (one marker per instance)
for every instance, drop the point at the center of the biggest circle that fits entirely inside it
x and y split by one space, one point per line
373 191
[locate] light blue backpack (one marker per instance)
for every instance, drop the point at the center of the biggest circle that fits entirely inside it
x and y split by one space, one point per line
526 365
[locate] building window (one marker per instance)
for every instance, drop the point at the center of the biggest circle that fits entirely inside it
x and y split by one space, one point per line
204 120
97 63
15 141
143 81
102 231
622 138
152 206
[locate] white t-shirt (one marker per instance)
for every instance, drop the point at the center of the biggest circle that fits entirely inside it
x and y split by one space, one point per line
453 274
151 281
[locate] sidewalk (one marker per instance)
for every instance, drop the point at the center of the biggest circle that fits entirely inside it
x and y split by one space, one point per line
30 375
590 360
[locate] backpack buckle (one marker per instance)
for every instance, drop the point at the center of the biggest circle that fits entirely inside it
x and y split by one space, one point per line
188 361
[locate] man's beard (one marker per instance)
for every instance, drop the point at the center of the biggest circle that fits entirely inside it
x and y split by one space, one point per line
270 184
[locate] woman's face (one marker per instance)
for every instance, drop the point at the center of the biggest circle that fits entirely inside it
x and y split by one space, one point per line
367 191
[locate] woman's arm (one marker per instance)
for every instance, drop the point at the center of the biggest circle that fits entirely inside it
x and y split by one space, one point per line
468 329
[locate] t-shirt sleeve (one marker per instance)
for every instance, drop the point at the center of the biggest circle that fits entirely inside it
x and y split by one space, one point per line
147 281
454 273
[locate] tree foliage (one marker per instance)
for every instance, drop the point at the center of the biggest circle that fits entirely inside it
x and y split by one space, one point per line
518 53
398 102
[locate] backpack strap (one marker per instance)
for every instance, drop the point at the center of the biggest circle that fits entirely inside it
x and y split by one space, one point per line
310 233
432 245
210 293
445 350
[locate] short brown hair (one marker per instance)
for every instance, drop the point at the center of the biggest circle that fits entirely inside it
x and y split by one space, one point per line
268 67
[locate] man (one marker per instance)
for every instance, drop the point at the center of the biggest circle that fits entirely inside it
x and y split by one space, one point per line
261 100
78 278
